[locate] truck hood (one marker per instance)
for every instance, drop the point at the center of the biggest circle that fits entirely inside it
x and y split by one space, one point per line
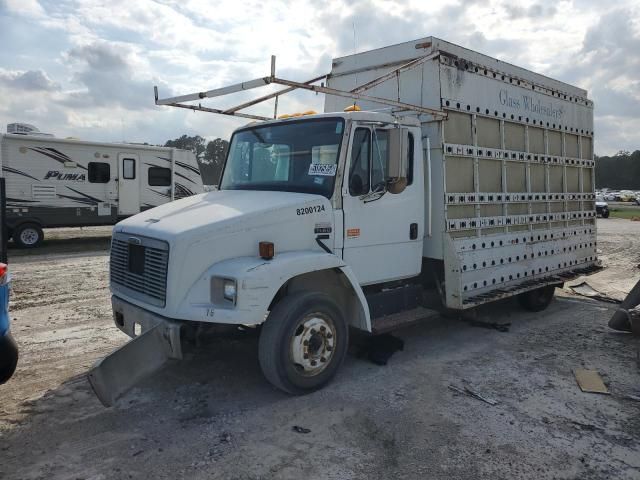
205 229
222 211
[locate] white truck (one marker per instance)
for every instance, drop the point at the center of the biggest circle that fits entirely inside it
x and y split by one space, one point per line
436 178
63 182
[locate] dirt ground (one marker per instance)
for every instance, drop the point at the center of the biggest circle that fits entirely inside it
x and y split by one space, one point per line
214 416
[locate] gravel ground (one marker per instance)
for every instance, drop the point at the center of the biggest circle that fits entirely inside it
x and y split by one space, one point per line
213 416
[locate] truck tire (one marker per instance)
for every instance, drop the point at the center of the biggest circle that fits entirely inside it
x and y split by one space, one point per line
8 357
303 342
28 235
538 299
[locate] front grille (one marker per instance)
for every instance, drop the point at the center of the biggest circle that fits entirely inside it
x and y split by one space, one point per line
139 267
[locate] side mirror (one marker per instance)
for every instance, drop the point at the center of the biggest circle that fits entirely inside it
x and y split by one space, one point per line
398 142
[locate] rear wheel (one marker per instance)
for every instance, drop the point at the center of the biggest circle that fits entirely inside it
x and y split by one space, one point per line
28 235
303 342
538 299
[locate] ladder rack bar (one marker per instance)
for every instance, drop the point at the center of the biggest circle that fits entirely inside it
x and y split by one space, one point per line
359 96
395 71
238 87
200 108
270 96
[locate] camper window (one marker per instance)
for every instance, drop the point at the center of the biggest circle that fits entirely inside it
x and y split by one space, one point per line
159 177
99 172
128 168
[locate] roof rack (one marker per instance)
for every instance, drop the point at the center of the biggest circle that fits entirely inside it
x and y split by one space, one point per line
311 85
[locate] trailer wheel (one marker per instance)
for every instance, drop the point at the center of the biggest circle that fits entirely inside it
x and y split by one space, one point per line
28 235
303 342
538 299
8 357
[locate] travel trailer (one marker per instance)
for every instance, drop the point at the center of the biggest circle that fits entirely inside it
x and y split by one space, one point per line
54 182
437 179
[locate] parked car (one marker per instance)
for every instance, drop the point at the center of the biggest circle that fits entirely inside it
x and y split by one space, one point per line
602 207
8 347
627 196
610 196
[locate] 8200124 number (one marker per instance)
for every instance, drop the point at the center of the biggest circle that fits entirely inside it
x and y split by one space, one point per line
308 210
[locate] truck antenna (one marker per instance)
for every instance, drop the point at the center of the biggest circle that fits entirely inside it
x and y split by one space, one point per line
356 58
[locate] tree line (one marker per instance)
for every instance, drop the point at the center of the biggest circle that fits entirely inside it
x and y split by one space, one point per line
210 155
619 172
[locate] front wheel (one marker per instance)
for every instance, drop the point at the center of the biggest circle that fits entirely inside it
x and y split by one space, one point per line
538 299
303 342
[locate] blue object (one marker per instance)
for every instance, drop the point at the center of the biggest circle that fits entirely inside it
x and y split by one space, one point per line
4 309
8 347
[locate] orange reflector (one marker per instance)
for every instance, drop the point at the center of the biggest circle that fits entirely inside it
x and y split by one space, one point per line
352 108
310 112
284 115
267 250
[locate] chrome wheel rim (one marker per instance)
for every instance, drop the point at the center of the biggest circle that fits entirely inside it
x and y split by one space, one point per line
313 344
29 236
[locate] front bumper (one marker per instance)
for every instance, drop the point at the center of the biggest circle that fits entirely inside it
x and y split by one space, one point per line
157 341
126 316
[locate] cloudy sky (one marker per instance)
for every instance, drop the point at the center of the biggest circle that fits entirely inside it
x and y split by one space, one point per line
87 68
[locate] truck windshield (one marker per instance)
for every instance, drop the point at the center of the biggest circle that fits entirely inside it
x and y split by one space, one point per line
297 156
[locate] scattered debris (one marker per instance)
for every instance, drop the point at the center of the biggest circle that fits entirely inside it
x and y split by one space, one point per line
299 429
585 290
225 437
467 391
585 426
380 348
137 453
589 381
501 327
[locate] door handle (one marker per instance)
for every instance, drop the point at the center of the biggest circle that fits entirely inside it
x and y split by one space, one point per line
413 231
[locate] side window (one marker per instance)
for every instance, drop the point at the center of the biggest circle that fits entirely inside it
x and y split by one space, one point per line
159 177
379 159
128 168
359 169
410 160
99 172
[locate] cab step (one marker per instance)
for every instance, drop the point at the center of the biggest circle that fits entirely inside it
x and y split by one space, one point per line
387 323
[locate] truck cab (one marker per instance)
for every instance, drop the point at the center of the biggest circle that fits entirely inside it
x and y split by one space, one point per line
309 210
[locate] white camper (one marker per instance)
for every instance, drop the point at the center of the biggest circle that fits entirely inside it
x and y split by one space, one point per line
53 182
462 180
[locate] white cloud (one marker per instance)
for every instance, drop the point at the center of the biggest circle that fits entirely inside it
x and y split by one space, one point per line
97 77
30 8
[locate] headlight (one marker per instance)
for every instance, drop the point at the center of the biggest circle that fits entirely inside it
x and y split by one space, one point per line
229 290
223 291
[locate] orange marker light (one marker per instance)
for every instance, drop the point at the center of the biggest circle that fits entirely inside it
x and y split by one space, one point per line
267 250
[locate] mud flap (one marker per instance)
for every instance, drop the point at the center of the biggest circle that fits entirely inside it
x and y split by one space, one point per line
120 371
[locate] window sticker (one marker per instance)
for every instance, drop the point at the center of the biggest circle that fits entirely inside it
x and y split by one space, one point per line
322 169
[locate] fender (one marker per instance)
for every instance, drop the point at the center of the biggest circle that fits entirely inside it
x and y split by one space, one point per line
257 283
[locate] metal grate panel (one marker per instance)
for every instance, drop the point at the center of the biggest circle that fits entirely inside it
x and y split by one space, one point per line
139 268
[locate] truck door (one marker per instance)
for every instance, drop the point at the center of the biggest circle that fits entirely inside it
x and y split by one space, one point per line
128 184
383 231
